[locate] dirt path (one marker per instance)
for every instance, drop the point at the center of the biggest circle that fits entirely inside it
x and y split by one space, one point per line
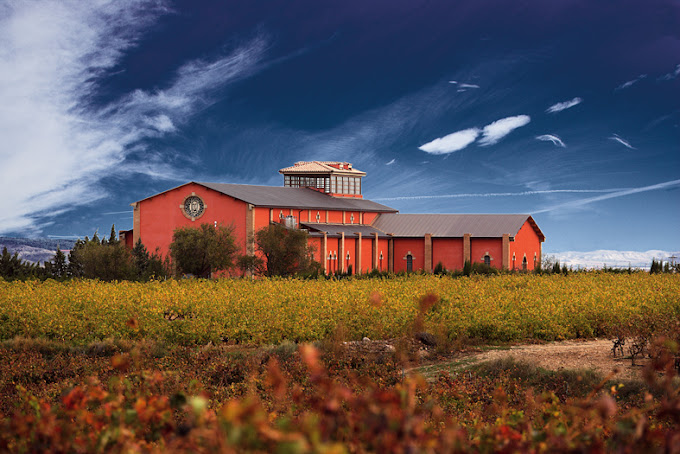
592 354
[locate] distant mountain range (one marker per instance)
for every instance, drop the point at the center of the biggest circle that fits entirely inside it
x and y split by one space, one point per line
614 259
35 250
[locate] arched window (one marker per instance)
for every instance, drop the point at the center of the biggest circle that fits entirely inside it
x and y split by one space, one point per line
524 263
513 260
487 260
409 263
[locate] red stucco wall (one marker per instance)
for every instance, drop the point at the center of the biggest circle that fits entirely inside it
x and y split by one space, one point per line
161 215
449 251
480 246
526 241
402 246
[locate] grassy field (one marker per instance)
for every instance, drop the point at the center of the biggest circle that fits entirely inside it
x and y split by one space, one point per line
502 308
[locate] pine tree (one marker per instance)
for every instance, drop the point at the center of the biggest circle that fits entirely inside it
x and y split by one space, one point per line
113 237
59 268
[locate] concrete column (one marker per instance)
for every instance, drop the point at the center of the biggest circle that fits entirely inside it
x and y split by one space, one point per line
428 253
324 251
376 251
341 253
466 247
271 215
390 255
326 216
343 218
357 254
506 251
136 223
250 230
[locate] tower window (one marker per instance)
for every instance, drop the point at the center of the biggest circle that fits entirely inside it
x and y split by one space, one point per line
487 260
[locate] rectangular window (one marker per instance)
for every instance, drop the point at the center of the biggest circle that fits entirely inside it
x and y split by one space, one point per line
351 185
345 185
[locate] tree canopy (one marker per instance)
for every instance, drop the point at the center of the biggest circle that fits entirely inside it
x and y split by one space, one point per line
203 250
285 250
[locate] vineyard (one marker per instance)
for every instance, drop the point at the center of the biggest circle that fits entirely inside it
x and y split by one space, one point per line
505 308
222 366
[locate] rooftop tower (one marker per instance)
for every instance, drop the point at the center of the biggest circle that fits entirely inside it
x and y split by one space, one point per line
337 179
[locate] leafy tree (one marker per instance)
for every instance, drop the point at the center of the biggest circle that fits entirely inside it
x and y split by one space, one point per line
203 250
107 262
249 264
285 250
467 268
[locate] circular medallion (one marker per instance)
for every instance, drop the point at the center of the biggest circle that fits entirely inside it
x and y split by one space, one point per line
193 207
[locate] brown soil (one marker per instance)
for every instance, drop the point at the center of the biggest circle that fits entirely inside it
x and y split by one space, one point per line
566 355
593 354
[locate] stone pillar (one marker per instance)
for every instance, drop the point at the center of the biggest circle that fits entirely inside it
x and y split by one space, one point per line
376 251
357 254
136 223
343 218
341 253
428 253
250 230
390 255
466 248
505 261
324 251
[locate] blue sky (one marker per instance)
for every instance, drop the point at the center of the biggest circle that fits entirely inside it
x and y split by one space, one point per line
566 110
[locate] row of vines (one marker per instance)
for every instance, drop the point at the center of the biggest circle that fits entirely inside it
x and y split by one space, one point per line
502 308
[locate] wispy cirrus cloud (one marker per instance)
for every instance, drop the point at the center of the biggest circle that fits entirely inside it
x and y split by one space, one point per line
551 138
499 194
391 162
57 143
462 87
630 83
575 204
494 132
560 106
625 143
671 75
452 142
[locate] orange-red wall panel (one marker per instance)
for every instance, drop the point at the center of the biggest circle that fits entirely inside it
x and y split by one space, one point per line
526 241
479 247
161 215
449 251
402 246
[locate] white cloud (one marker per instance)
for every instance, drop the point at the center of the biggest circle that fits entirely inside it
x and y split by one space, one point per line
623 142
391 162
671 75
551 138
494 132
560 106
615 259
499 194
463 87
630 83
161 123
452 142
56 144
468 86
574 204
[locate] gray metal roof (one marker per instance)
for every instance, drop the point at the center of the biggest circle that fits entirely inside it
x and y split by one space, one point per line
453 225
350 230
296 198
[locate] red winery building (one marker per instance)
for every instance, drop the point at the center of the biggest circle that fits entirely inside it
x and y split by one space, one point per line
345 229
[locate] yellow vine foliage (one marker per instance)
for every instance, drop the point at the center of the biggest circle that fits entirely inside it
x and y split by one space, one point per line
265 311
